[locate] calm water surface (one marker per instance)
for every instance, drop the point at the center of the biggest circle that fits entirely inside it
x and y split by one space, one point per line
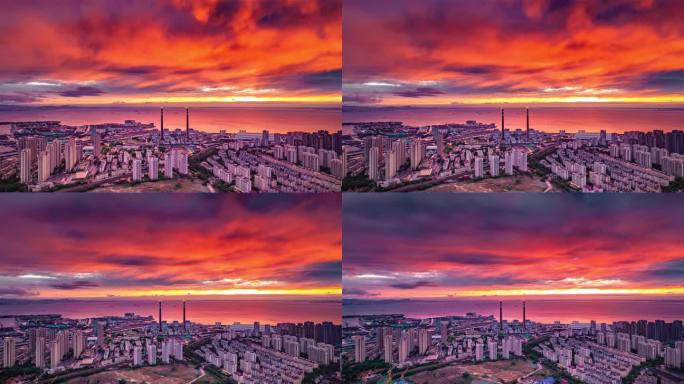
545 311
548 119
208 119
204 312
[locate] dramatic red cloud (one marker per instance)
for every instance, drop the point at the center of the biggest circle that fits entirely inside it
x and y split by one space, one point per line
105 51
525 51
95 246
451 245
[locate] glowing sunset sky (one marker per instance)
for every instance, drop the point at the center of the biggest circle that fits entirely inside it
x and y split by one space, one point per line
404 246
406 52
203 51
133 245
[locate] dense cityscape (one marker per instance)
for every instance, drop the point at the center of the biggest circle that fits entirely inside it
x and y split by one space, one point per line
469 348
483 157
139 157
52 348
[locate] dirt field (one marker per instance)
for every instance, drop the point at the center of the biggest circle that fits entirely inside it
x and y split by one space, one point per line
161 374
501 371
520 183
176 185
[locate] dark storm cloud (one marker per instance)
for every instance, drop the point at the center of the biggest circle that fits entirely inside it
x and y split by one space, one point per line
420 92
414 285
92 210
10 291
671 80
142 261
620 11
128 281
278 14
275 203
328 271
324 79
361 99
357 292
82 91
138 70
77 284
472 69
225 11
18 98
673 269
477 259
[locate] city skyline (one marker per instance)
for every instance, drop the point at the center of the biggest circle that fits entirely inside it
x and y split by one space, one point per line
198 53
511 246
523 52
426 350
40 346
185 245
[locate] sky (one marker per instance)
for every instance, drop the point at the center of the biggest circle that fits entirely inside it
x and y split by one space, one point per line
170 51
94 246
504 245
406 52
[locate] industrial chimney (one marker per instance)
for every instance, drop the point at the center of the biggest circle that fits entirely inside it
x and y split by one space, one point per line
527 116
162 124
502 125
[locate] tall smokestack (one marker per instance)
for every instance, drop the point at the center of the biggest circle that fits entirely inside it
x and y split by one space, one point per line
187 122
162 124
160 318
527 116
524 325
501 315
183 315
502 125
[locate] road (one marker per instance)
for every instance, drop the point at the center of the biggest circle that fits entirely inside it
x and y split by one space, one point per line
198 377
60 378
89 186
429 183
302 170
539 368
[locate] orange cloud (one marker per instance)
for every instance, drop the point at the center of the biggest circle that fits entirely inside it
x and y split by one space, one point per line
516 246
172 246
518 51
275 51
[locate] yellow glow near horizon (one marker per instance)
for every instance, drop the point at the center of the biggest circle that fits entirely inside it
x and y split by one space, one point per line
317 99
326 291
679 290
670 99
